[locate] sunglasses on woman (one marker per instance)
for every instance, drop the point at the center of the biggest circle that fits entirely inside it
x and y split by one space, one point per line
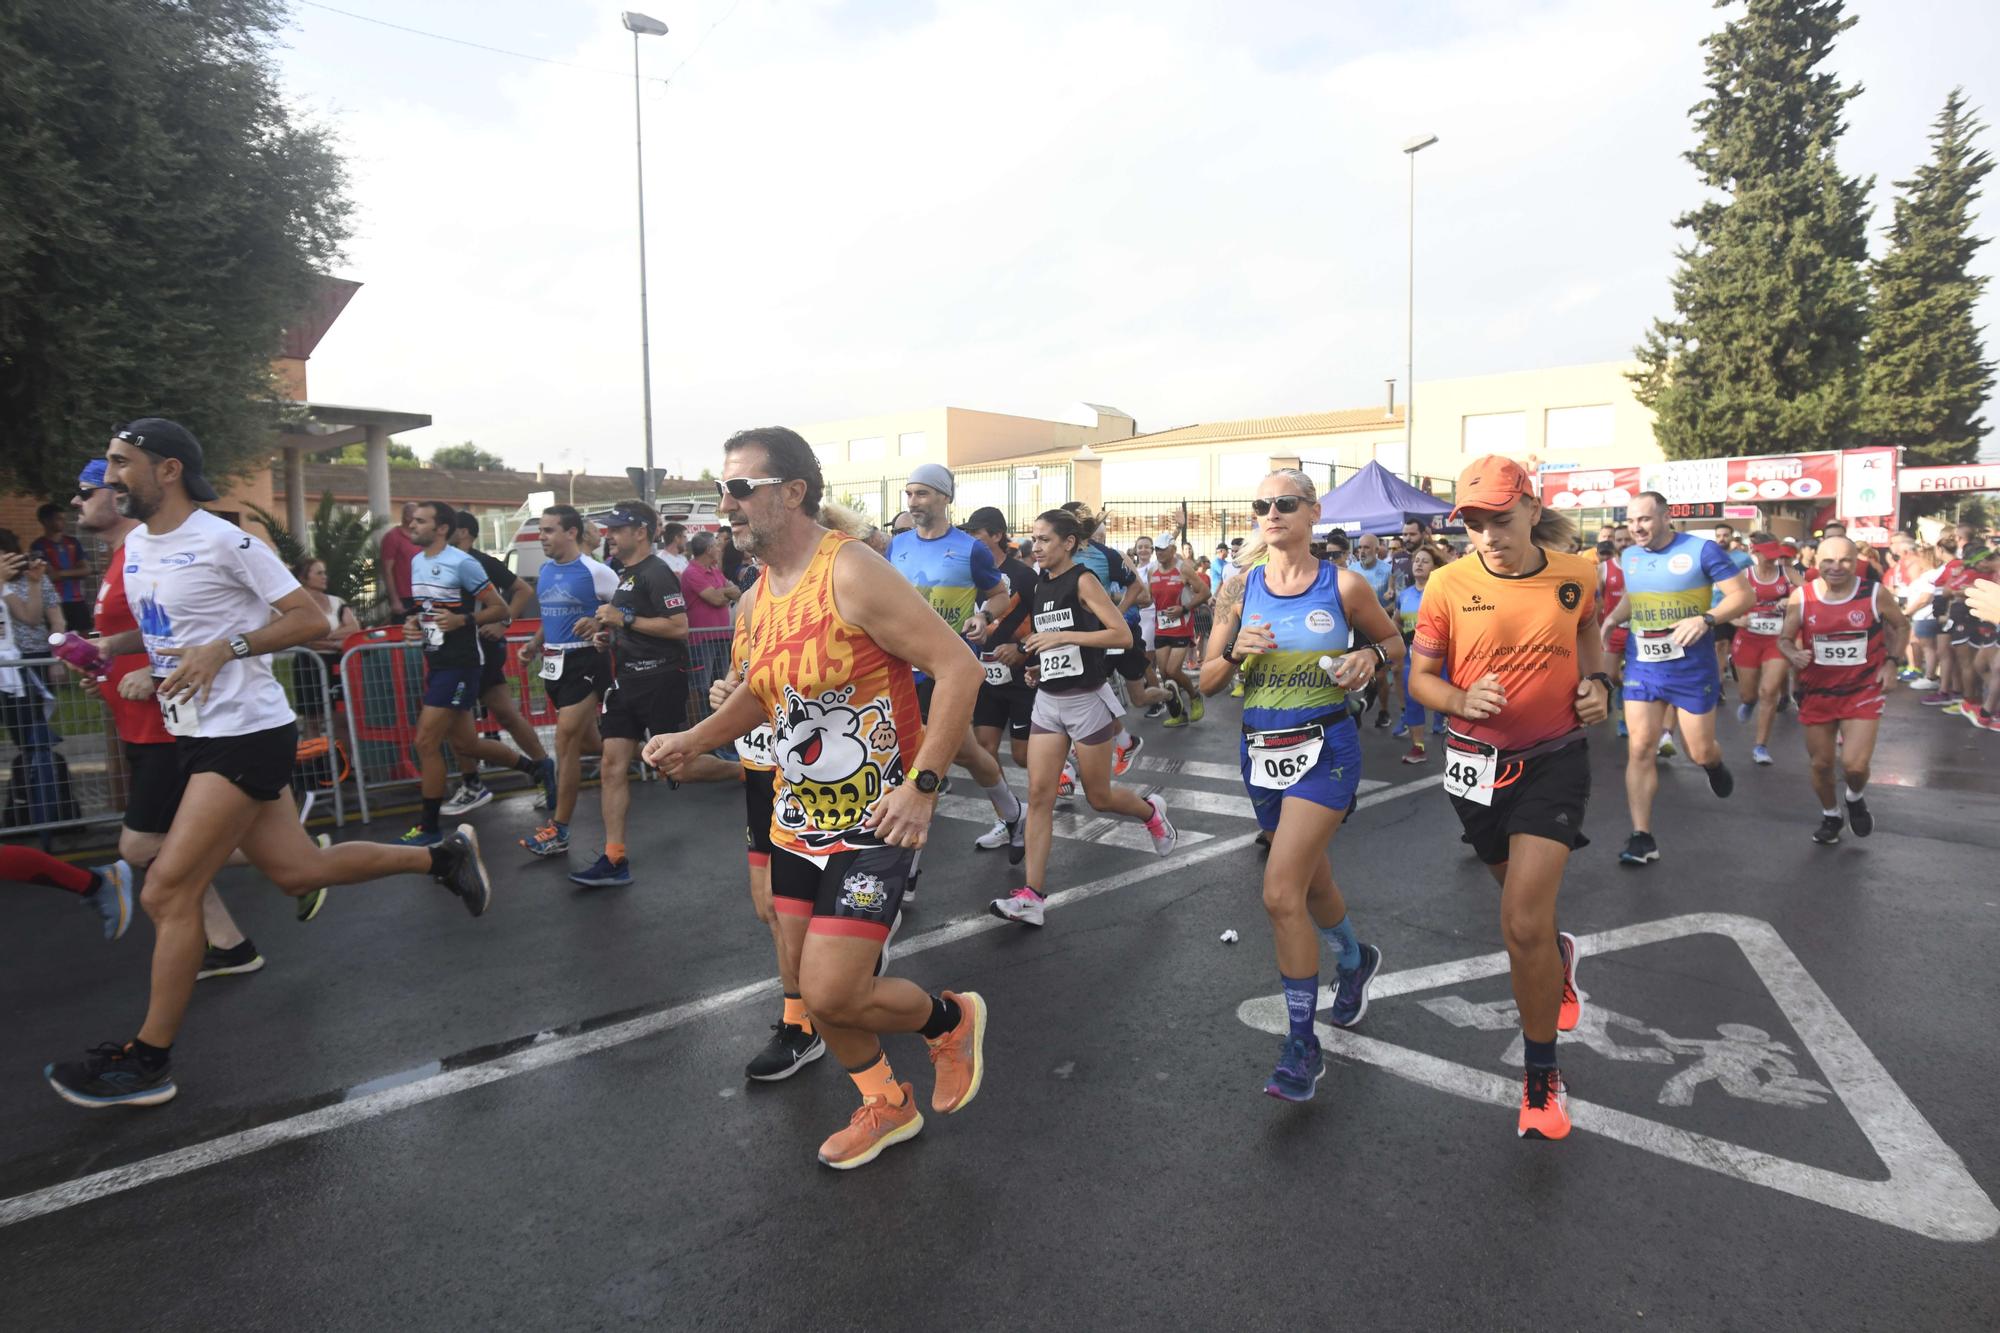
741 489
1284 504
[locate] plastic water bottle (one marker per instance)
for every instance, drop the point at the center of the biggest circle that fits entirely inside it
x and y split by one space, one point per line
79 652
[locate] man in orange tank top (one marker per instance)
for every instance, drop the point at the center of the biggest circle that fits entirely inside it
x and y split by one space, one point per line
1845 635
831 646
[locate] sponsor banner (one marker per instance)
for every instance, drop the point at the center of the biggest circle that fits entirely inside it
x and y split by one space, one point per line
1945 480
1868 484
1702 485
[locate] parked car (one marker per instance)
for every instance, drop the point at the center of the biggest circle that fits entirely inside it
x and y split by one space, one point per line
696 513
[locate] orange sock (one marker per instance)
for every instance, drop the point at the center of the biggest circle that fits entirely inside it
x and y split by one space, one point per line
878 1080
614 851
796 1015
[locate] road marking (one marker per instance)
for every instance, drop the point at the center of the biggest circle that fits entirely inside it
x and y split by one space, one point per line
1106 830
1928 1190
550 1048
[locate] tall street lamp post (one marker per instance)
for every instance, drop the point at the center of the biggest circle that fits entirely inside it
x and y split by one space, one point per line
1410 150
643 25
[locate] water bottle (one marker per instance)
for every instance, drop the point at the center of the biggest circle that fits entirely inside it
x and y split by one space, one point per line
80 653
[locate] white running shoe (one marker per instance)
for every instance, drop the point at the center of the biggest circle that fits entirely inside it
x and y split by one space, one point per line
1165 836
1023 907
466 799
1924 684
994 838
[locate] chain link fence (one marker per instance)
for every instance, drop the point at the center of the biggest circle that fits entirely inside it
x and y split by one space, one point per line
1018 492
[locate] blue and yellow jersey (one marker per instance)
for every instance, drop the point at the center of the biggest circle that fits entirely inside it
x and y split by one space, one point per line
1287 686
1742 560
1674 583
954 572
1407 603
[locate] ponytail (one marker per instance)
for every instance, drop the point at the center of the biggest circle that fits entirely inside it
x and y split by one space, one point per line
1068 525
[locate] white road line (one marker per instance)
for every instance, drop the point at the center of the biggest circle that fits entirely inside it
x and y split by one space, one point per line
1108 831
553 1050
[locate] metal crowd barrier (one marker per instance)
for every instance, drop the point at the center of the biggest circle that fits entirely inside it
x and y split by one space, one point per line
65 769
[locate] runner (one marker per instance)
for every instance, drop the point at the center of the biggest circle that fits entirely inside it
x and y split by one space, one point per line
446 585
1516 621
1284 621
1423 563
496 694
646 621
1379 573
1006 701
1175 597
956 574
107 888
830 653
570 587
205 591
1760 666
1724 536
1075 622
1132 595
1670 662
1844 634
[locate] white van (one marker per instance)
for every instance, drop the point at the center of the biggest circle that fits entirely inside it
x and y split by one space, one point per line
695 513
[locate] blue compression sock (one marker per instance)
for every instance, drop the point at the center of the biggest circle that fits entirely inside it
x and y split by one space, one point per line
1346 948
1301 994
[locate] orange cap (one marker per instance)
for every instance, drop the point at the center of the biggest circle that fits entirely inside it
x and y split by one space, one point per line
1491 482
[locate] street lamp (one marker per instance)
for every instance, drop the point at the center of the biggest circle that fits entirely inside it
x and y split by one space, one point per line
643 25
1410 150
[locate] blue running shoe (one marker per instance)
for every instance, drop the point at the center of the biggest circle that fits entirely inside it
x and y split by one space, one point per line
546 775
1402 730
1744 712
1759 755
111 1076
549 840
604 873
1300 1068
1621 726
113 898
1437 725
1350 994
418 837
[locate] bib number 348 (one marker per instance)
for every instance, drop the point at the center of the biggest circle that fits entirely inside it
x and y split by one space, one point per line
1469 769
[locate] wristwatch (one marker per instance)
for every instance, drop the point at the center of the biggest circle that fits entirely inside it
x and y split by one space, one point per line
927 781
1601 678
239 645
629 616
1708 619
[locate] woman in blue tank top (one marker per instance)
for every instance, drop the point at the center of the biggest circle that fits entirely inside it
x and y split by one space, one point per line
1422 562
1285 624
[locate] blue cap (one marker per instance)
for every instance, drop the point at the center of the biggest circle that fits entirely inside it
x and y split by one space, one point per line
92 475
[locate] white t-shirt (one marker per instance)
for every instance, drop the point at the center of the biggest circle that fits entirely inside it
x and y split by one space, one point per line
1147 622
1923 585
677 563
204 582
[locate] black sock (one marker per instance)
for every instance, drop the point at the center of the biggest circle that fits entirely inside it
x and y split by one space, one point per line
431 809
1541 1054
470 780
944 1017
523 764
441 860
149 1057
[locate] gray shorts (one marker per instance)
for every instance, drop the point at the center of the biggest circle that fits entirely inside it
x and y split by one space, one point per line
1088 717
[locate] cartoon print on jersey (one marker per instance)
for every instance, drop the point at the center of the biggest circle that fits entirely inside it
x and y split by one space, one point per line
836 761
864 893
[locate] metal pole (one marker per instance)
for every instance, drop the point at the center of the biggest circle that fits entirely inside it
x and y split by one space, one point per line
645 336
1410 338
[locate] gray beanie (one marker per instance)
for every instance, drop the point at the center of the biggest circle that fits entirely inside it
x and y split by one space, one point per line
936 476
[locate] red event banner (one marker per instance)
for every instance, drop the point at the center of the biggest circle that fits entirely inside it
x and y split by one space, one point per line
1698 481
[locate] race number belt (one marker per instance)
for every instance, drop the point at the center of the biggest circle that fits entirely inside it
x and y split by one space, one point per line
1840 650
1656 646
1469 768
1278 759
552 663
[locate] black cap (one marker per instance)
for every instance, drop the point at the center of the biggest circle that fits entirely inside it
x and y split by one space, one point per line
169 439
986 519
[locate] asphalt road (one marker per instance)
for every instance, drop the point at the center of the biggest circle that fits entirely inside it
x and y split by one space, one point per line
538 1119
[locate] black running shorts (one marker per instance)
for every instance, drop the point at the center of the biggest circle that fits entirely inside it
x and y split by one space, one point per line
1545 799
259 763
854 893
760 798
643 703
1009 706
584 672
153 786
492 665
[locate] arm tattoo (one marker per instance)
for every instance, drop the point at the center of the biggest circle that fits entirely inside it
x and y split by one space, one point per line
1229 601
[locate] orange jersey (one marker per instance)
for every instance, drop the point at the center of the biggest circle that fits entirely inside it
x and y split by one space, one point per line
1523 630
843 712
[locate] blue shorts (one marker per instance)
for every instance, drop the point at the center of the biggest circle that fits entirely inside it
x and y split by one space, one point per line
451 687
1332 782
1692 694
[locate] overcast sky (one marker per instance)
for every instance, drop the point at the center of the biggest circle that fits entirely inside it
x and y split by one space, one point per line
1190 209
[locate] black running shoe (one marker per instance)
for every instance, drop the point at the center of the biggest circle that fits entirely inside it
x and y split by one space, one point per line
1017 838
790 1049
1639 849
111 1076
1381 722
464 872
236 962
1828 832
1719 780
1859 819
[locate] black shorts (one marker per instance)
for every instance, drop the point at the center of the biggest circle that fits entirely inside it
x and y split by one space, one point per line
1980 635
259 763
585 672
1131 663
153 787
760 797
1009 706
1546 799
854 893
1724 633
492 665
644 703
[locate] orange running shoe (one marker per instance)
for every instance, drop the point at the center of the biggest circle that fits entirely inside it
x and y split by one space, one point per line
1544 1105
959 1056
1572 1007
875 1126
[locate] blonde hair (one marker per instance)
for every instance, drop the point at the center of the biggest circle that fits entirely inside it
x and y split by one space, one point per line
842 519
1253 552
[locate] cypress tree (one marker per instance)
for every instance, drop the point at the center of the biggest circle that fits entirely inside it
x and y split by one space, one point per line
1763 352
1927 375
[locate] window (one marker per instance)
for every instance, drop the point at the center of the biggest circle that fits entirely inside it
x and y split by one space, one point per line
1241 472
828 453
912 443
867 451
1580 427
1495 433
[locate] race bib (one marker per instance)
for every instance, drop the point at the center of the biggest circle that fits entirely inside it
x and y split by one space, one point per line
1278 759
178 714
1840 650
1469 767
552 660
433 632
756 747
1171 616
1062 663
1765 622
997 673
1658 647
